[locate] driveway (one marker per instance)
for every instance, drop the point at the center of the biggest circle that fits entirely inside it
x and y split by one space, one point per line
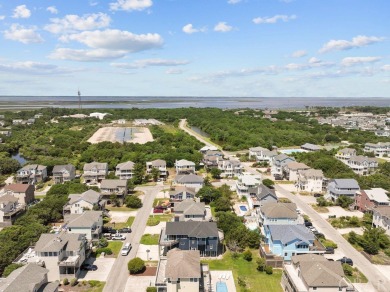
152 255
104 267
139 283
155 229
338 211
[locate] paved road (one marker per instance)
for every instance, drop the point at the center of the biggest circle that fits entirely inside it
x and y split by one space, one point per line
377 279
117 279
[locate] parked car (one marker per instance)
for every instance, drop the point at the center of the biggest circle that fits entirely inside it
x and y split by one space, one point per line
125 230
158 210
88 267
317 195
107 235
278 177
126 249
345 260
308 224
118 237
329 250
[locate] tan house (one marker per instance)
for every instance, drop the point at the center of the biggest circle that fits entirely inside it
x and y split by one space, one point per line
345 154
63 173
24 193
159 164
10 210
190 210
125 170
310 180
95 172
290 170
31 174
116 187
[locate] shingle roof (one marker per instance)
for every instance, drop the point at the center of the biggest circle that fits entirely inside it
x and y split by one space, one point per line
311 146
89 196
126 165
24 278
288 233
262 191
189 178
113 183
18 188
197 229
361 159
347 151
384 211
346 183
49 242
98 165
309 173
277 210
183 264
158 162
67 167
190 207
184 162
186 190
85 219
317 271
257 149
8 198
293 165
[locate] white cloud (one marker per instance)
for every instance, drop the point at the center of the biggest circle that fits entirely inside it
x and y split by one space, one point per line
350 61
21 11
314 60
294 66
129 5
86 55
149 62
72 23
299 54
189 29
52 9
234 1
25 35
386 68
222 27
274 19
356 42
36 68
113 39
2 17
173 71
93 3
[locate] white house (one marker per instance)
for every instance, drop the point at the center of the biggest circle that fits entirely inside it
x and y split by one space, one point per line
345 154
245 182
310 180
125 170
262 154
291 169
184 166
89 223
78 203
380 149
63 173
362 165
94 172
230 168
381 218
275 213
159 164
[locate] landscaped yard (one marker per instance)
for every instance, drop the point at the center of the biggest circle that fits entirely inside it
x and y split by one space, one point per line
120 225
150 239
115 246
255 280
160 201
320 209
154 220
121 208
84 286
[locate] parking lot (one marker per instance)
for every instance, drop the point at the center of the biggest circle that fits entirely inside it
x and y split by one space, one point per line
104 266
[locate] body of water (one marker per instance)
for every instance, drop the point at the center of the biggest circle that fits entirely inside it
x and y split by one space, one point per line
18 102
200 132
19 158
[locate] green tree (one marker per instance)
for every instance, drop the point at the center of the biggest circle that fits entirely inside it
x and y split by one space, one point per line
155 174
348 270
10 268
139 173
133 202
136 265
222 204
208 194
344 201
268 183
247 255
216 173
260 262
130 185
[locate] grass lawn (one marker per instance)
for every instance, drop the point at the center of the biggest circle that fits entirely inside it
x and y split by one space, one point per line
357 277
121 208
96 286
120 225
40 197
115 246
320 209
255 280
154 220
150 239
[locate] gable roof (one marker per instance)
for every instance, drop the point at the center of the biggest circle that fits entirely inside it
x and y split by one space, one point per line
157 162
311 146
347 151
126 165
60 168
179 190
262 191
18 188
98 165
89 196
275 210
189 178
361 159
288 233
183 162
190 207
50 242
7 198
183 264
377 194
346 183
113 183
197 229
311 172
384 211
293 165
85 219
24 278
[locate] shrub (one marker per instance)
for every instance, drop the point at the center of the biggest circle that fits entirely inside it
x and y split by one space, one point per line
133 202
151 289
269 270
136 265
268 183
260 262
103 242
65 281
84 283
94 283
106 250
348 270
328 243
10 268
387 252
73 282
241 281
235 255
247 255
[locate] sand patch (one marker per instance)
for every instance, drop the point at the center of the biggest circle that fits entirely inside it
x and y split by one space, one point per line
122 135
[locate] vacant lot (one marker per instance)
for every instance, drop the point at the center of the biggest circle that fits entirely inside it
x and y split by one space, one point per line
121 135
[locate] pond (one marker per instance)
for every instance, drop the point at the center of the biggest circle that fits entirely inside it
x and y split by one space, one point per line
200 132
19 158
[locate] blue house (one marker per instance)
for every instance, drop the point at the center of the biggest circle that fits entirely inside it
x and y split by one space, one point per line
286 241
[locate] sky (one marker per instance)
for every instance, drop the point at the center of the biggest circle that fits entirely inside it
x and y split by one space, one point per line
257 48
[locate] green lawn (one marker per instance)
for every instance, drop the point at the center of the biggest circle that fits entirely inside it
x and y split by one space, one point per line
121 208
95 286
154 220
150 239
120 225
115 246
255 280
357 277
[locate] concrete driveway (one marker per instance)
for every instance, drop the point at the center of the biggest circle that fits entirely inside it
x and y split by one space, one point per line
155 229
104 267
139 283
338 211
153 252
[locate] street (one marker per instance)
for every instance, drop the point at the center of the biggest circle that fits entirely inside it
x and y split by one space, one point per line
119 274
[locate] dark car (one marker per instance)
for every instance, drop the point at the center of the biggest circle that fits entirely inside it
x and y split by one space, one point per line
308 224
125 230
88 267
329 250
345 260
278 177
317 195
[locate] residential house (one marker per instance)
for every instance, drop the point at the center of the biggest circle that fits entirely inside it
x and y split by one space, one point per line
291 169
161 165
207 148
190 181
88 223
192 235
230 168
261 195
381 218
125 170
247 181
18 122
181 271
179 194
78 203
278 162
342 187
24 193
310 180
380 149
188 209
62 254
366 200
345 154
95 172
382 133
362 165
275 213
211 158
184 166
31 174
285 241
30 121
311 147
28 278
311 272
10 209
117 187
6 133
262 154
63 173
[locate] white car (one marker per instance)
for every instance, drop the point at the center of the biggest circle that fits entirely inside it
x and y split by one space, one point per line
118 237
126 249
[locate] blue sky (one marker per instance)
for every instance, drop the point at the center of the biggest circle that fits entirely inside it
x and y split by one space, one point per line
265 48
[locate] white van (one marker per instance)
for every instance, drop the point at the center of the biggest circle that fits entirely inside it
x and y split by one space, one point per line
125 249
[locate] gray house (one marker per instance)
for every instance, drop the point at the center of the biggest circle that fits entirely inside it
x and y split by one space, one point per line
181 193
31 174
189 181
63 173
190 210
192 235
89 223
261 195
95 172
117 187
125 170
342 187
278 162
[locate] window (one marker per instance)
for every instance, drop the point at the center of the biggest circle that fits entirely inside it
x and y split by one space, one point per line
314 288
285 254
